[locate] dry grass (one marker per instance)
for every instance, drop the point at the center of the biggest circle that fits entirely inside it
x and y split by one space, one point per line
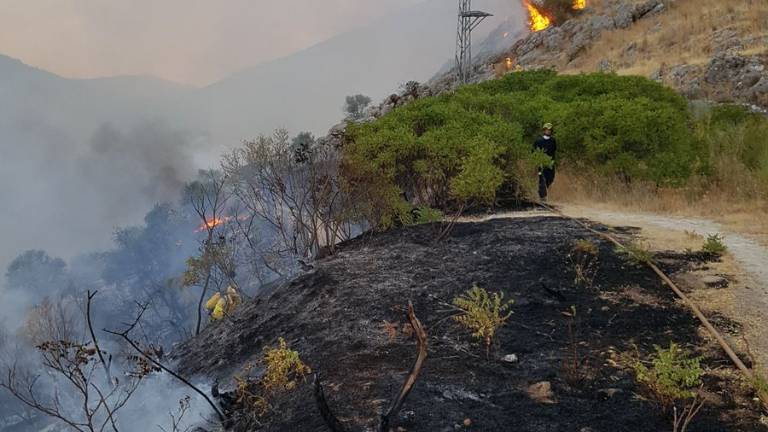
686 33
724 203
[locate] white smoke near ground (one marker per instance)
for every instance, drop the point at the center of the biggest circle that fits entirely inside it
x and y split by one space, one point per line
158 398
70 202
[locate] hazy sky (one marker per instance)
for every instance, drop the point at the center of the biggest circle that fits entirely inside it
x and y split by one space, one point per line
189 41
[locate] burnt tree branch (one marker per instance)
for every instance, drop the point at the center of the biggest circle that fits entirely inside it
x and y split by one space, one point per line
125 335
410 380
106 365
333 423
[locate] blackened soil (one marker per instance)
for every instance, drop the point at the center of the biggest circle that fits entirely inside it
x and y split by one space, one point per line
334 317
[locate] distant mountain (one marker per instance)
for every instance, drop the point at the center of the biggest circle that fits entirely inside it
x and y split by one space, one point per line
305 91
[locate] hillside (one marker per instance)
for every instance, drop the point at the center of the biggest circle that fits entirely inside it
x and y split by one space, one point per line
706 49
334 315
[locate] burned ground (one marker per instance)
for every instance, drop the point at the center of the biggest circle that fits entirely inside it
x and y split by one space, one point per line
334 315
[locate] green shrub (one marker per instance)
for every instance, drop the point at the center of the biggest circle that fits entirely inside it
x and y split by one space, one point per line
672 376
736 143
423 215
584 260
482 313
714 244
637 252
467 146
760 386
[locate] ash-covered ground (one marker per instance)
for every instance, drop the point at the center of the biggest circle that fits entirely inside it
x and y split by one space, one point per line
334 314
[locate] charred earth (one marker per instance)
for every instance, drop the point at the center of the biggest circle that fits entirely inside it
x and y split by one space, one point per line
334 315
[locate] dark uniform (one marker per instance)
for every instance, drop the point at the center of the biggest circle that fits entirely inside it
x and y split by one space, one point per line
546 175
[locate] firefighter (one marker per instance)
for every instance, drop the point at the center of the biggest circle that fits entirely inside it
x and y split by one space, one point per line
548 144
220 306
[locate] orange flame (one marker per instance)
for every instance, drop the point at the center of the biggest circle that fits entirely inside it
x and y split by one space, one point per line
537 20
213 223
579 4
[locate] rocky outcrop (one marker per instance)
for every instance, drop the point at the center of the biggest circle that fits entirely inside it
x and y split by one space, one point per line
728 77
567 41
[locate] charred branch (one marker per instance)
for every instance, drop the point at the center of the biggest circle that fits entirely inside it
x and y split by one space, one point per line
106 365
322 403
125 335
410 380
333 423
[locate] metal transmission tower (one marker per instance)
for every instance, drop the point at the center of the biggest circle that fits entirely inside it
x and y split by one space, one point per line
468 20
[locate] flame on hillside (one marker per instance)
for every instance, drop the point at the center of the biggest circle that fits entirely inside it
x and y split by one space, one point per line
537 20
218 221
213 223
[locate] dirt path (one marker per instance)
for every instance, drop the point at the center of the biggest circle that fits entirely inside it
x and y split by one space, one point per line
746 266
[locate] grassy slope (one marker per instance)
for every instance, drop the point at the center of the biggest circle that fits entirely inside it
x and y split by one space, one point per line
686 33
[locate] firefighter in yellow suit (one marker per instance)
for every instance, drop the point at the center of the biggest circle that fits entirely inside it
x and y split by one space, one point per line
220 306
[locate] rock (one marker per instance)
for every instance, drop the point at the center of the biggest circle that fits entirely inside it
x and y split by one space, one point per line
424 91
623 18
542 392
646 8
554 38
724 68
578 43
727 39
608 393
599 23
460 394
749 79
605 66
372 112
761 88
407 416
687 79
658 9
714 282
510 358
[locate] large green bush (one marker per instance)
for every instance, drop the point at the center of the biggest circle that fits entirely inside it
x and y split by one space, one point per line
467 146
731 133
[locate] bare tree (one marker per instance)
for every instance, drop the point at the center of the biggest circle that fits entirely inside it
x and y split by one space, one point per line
72 390
177 419
298 199
209 198
151 360
354 106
